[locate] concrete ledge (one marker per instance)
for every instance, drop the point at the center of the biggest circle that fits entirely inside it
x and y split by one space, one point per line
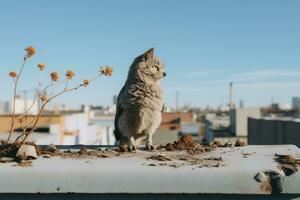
132 175
77 196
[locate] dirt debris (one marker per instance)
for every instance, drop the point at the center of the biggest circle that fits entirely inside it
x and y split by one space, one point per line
214 158
217 144
8 153
9 150
186 143
184 152
83 150
287 163
6 160
239 143
159 158
286 159
273 181
25 163
246 155
176 160
270 181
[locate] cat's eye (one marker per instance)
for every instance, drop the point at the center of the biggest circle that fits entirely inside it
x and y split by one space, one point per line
156 67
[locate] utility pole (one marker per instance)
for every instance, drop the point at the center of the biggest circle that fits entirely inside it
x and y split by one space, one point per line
177 99
230 104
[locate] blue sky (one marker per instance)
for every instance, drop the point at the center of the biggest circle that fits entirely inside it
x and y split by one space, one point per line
204 45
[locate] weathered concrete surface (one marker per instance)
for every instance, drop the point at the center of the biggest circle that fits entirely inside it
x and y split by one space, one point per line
133 175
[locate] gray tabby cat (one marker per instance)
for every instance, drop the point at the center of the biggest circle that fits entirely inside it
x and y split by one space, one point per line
140 102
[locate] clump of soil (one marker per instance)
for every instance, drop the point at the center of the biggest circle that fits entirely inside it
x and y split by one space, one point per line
180 153
239 143
24 163
83 150
246 155
8 154
48 152
159 158
286 159
216 144
288 164
9 150
186 152
186 143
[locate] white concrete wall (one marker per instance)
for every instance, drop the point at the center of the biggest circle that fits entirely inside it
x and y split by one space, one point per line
89 131
239 119
22 105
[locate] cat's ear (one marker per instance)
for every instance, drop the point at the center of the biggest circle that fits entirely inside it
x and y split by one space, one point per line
148 54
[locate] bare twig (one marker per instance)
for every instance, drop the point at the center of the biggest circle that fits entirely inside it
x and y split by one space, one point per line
13 117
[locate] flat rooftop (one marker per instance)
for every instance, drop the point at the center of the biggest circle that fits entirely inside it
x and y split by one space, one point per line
231 170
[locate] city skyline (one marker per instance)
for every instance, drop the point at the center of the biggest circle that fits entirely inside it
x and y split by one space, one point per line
204 45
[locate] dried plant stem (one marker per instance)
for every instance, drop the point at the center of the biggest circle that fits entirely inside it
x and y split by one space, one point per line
43 106
33 102
13 117
29 108
22 114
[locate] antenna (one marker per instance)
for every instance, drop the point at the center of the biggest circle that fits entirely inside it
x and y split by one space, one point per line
230 95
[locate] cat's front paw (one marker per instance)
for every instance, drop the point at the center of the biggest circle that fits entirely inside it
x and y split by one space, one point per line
123 148
150 147
132 148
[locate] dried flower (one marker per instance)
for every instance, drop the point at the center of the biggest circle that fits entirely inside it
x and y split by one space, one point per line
30 51
54 76
86 82
43 97
106 71
13 74
69 74
41 66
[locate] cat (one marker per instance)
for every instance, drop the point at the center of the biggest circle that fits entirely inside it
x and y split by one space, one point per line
140 102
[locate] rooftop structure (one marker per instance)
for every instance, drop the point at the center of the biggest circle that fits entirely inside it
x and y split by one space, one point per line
172 120
216 126
239 119
274 131
71 127
249 172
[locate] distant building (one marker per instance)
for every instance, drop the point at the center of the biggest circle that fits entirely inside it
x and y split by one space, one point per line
4 107
172 120
296 103
275 106
239 119
189 128
106 124
270 131
296 106
216 126
27 105
65 127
